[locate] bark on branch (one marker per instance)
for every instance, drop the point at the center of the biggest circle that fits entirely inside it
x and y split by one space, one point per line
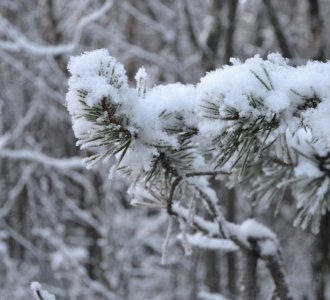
276 268
255 242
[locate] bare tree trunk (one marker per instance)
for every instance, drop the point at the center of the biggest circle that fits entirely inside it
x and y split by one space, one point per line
231 257
249 280
192 29
212 266
50 32
316 28
321 259
274 263
257 38
130 30
193 280
214 36
229 47
279 30
212 262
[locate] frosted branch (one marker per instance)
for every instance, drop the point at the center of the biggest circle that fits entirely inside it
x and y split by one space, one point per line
38 157
22 43
244 117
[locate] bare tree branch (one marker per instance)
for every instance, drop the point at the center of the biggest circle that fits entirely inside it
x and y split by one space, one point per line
21 43
35 156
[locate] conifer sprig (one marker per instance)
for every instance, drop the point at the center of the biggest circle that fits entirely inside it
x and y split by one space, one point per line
110 132
255 120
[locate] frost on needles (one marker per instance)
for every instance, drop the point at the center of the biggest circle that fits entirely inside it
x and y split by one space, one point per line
262 121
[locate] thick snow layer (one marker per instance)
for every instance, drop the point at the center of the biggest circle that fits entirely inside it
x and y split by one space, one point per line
201 241
281 89
253 234
267 98
142 79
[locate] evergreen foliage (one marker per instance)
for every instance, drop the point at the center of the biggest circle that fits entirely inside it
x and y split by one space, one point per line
263 121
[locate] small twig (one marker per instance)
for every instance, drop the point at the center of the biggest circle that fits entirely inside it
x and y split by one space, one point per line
281 162
39 294
207 173
178 180
106 109
230 118
170 197
216 214
111 118
198 223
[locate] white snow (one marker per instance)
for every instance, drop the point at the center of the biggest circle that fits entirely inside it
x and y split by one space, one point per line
39 293
142 79
277 101
39 157
203 295
307 168
277 59
278 85
251 230
205 242
257 89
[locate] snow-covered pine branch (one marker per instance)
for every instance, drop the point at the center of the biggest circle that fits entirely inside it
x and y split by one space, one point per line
39 293
262 120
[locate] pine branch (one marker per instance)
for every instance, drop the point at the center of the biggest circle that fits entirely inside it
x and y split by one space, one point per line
231 124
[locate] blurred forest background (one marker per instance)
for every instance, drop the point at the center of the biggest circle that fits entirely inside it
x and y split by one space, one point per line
74 230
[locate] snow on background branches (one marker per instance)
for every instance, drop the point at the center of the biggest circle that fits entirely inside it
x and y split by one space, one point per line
73 229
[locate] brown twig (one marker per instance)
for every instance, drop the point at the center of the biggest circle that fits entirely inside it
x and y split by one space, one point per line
207 173
170 198
178 180
281 162
106 109
113 120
